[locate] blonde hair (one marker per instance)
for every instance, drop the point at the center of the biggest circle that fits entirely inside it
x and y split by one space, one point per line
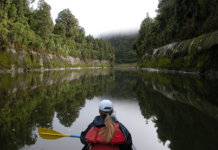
109 128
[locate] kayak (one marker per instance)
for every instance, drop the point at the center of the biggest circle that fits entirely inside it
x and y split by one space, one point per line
87 147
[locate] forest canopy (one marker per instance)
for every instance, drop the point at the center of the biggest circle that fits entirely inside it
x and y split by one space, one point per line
22 27
123 45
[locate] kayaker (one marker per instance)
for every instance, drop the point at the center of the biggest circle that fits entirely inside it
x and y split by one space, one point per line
105 132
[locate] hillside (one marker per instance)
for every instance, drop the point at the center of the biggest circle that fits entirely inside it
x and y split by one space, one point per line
24 29
179 22
123 44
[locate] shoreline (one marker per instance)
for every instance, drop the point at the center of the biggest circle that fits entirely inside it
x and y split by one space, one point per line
24 70
209 73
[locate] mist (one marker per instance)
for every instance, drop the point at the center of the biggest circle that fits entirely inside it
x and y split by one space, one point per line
121 33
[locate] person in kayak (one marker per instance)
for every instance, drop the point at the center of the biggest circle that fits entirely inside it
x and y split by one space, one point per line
105 132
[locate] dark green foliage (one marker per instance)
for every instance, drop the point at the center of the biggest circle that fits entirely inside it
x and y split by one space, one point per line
198 54
60 29
123 45
41 22
147 36
27 29
12 12
66 18
177 20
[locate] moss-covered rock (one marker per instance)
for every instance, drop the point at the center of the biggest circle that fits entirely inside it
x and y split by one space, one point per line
21 60
198 54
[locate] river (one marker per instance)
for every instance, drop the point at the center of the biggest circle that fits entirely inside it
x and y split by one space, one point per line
162 111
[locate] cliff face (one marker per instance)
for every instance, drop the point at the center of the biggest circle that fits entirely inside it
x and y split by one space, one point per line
198 54
13 60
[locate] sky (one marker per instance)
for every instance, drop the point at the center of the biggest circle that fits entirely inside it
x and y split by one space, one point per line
99 17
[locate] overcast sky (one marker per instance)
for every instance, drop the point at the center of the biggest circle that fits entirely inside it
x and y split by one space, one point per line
104 16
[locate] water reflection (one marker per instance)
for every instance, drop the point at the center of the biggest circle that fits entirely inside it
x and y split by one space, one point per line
179 109
125 82
30 100
183 108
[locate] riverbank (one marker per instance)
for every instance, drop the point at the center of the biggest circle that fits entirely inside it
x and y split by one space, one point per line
21 61
126 65
198 54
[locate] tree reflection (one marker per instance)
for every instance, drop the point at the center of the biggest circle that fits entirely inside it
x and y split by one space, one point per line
125 82
32 100
175 105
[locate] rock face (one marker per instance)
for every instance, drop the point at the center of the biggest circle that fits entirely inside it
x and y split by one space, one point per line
198 54
21 61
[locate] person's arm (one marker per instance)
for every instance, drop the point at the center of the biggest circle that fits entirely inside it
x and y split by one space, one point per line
128 144
83 134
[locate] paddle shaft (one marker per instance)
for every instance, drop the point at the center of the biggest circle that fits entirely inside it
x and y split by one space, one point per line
74 136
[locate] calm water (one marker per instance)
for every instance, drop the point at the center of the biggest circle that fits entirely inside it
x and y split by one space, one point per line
162 111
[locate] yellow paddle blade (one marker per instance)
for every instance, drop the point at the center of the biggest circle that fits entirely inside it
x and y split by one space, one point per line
50 134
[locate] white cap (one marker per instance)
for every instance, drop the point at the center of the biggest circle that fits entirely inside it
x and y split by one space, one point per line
106 105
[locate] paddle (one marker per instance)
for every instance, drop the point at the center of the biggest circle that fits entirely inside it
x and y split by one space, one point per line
50 134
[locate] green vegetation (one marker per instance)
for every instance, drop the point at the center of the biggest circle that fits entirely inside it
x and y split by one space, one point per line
23 28
29 101
123 45
176 20
198 54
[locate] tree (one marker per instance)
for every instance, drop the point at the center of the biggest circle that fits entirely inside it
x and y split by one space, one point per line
146 37
41 21
123 45
22 27
60 30
71 24
176 20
